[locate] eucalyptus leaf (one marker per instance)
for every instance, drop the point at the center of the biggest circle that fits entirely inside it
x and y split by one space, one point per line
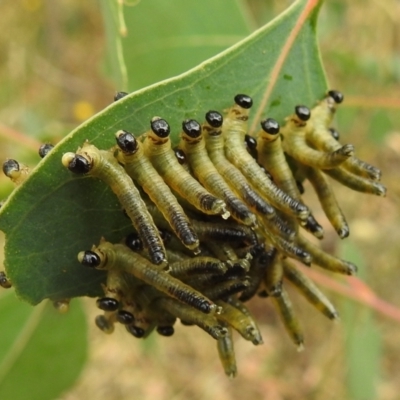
54 215
165 38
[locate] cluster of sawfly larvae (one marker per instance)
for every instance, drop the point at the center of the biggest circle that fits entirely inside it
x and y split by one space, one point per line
217 220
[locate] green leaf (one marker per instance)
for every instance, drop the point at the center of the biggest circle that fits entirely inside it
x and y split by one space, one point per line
33 364
54 214
165 39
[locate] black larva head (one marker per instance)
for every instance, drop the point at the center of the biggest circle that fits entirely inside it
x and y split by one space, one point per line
125 317
192 128
4 282
165 330
126 142
134 242
243 101
107 304
270 126
135 331
44 149
303 113
251 142
119 95
89 259
214 118
180 156
104 324
160 127
10 166
334 133
76 163
336 96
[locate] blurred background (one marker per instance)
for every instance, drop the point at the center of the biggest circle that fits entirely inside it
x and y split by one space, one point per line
59 66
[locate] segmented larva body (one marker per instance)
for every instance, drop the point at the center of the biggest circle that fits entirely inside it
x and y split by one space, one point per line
102 164
272 157
216 150
328 200
309 290
226 352
193 144
289 319
120 257
234 130
320 136
157 146
295 143
240 321
139 168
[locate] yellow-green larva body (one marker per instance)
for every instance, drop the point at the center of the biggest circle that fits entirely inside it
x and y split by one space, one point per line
290 321
121 257
210 178
355 182
328 200
106 168
308 289
239 321
325 260
295 144
234 129
139 168
164 161
197 265
318 135
206 322
232 175
226 353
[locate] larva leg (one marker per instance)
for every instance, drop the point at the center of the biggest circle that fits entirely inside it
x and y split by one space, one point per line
307 288
225 252
157 147
102 164
259 265
139 168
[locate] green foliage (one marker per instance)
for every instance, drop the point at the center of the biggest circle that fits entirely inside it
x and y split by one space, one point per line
165 39
41 352
72 213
